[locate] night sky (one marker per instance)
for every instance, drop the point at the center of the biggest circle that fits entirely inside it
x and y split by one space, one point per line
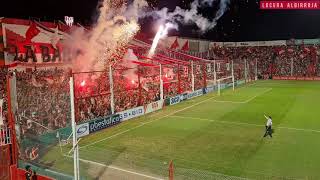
243 21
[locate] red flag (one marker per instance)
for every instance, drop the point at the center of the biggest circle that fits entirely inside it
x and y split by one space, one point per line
185 47
32 32
307 49
175 44
281 51
171 170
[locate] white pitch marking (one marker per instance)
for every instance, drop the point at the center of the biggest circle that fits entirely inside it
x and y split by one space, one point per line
117 168
269 89
250 124
233 102
212 120
117 134
246 101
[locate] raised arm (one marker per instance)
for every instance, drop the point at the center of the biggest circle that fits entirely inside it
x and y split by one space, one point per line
266 117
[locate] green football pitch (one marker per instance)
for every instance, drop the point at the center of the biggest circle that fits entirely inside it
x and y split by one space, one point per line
211 137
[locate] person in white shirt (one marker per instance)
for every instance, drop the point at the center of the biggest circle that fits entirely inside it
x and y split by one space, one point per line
268 126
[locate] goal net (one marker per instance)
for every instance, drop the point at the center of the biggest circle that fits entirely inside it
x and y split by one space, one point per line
224 83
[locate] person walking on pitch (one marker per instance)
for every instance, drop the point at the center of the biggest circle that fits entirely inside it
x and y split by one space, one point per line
268 126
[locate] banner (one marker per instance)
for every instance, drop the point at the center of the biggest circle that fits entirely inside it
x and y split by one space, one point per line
34 43
229 85
82 130
183 97
240 82
131 113
209 89
244 44
1 111
261 43
215 44
298 42
167 101
101 123
195 94
296 78
229 44
311 41
175 100
154 106
290 42
275 43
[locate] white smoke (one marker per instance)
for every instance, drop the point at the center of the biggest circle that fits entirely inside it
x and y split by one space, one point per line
118 23
115 27
192 15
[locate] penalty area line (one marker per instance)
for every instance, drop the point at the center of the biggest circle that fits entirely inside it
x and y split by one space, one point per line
117 168
170 114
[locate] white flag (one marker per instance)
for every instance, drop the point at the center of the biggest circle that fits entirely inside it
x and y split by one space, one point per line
228 66
209 68
218 67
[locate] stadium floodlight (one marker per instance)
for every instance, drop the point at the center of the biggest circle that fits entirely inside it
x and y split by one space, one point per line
68 20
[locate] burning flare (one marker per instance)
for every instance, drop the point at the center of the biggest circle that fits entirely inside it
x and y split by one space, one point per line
162 32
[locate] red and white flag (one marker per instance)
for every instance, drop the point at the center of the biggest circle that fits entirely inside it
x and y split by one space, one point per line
55 38
32 32
185 47
175 44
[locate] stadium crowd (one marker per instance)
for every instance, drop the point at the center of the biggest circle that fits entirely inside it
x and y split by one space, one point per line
277 60
43 100
3 94
43 94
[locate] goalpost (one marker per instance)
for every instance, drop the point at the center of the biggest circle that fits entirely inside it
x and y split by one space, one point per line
225 84
224 81
75 147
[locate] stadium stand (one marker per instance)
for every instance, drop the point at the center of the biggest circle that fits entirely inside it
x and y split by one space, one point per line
43 94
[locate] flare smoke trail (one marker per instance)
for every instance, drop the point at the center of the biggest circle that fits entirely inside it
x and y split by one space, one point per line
192 15
162 32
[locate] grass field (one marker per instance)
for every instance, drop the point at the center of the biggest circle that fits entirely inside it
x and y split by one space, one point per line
211 137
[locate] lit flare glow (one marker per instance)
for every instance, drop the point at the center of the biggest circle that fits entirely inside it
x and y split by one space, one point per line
162 32
83 83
